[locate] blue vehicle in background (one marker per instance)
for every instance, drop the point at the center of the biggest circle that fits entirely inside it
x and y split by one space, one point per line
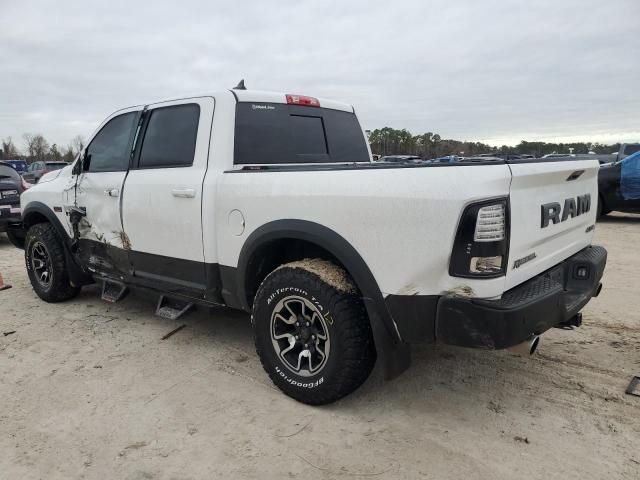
19 165
619 185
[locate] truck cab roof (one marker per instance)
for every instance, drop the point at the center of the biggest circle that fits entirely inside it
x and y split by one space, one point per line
278 97
262 96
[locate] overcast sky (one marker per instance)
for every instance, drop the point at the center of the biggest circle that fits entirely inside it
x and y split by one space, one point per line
495 71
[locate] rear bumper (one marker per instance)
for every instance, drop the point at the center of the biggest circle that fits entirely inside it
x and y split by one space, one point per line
547 300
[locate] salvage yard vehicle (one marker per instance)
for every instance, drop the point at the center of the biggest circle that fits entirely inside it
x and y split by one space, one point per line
627 149
36 170
619 186
11 187
401 159
270 203
20 165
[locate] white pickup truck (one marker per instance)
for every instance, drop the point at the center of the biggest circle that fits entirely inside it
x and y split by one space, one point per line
270 203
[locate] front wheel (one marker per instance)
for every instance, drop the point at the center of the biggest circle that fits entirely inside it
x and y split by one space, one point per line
312 333
46 265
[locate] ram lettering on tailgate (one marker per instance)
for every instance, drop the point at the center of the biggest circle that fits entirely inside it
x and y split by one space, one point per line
572 208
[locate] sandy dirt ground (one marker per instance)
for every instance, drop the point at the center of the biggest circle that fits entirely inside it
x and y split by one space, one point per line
89 390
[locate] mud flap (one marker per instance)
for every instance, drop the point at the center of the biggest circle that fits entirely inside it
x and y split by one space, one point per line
395 356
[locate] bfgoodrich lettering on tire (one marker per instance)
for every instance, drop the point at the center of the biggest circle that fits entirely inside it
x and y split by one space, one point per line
312 333
46 266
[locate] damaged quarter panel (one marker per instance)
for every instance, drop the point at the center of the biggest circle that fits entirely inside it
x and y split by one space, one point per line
402 223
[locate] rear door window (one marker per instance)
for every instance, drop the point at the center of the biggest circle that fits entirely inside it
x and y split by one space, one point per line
170 137
274 133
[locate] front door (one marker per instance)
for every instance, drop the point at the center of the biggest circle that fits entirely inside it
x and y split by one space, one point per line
103 243
162 197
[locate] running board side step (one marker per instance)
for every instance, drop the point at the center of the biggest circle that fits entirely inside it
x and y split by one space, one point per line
113 291
171 308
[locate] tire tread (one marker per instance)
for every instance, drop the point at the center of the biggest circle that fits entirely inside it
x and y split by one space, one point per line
61 288
358 355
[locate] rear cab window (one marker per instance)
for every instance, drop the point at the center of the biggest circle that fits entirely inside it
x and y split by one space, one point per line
277 133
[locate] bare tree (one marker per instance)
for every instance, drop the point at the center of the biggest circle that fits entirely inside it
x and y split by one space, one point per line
54 153
37 146
68 155
78 143
8 151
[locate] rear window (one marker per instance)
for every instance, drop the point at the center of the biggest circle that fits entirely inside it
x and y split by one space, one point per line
275 133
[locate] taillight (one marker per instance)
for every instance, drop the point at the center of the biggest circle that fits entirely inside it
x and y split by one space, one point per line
24 183
482 241
490 224
302 100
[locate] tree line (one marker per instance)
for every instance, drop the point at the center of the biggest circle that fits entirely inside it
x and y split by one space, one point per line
390 141
383 141
36 147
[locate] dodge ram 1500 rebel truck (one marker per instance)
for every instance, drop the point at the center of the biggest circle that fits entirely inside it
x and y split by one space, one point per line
270 203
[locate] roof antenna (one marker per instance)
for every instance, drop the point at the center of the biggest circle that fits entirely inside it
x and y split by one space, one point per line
240 85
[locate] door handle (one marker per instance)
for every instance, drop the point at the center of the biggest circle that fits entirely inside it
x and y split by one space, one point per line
112 192
183 192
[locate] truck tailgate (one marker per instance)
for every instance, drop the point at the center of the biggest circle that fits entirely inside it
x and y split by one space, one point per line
553 211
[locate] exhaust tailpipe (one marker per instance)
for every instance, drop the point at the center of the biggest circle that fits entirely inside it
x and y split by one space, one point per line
527 347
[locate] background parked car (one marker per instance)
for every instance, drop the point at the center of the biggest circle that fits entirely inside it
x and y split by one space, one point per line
447 159
20 165
619 186
627 149
503 156
38 169
401 159
11 187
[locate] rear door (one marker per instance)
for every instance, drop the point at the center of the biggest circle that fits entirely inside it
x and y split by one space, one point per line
553 212
162 201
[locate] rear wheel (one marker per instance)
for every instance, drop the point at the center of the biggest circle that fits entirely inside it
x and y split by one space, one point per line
46 265
312 333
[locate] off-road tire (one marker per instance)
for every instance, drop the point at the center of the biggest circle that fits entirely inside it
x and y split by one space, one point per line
58 288
352 352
